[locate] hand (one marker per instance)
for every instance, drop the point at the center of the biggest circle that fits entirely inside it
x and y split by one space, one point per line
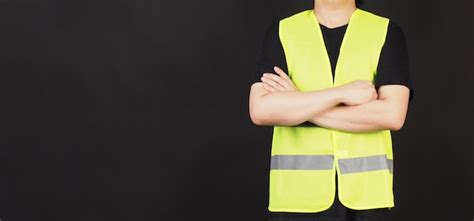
273 83
358 92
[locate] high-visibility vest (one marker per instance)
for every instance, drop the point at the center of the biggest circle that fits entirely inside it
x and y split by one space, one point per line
304 160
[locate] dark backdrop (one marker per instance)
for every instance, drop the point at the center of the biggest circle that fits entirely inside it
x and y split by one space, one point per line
138 110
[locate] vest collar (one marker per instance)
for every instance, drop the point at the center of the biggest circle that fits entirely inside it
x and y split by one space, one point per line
318 32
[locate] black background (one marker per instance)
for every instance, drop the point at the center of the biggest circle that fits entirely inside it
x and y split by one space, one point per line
138 110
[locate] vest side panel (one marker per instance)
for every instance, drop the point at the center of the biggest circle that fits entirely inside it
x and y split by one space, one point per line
308 63
367 153
301 190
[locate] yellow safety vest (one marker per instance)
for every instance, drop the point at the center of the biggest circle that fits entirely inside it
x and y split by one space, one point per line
305 160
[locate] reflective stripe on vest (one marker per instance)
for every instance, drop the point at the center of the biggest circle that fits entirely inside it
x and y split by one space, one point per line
302 162
325 162
365 164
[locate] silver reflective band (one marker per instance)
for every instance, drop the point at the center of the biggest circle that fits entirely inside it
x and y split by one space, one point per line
301 162
363 164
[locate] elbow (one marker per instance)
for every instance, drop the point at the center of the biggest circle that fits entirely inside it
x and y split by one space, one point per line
257 116
263 117
257 120
257 105
396 126
260 119
396 123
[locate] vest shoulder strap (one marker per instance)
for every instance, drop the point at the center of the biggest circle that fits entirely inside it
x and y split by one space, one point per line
298 25
365 37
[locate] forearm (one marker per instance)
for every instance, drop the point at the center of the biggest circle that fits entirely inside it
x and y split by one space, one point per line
289 108
371 116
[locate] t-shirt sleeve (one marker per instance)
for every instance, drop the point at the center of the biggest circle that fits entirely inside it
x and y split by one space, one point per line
271 53
393 66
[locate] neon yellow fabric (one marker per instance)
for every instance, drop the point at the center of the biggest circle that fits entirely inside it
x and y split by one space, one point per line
313 190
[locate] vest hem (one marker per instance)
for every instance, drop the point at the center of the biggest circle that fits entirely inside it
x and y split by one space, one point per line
295 210
347 205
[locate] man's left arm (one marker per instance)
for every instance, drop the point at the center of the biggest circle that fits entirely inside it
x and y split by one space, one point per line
387 112
395 91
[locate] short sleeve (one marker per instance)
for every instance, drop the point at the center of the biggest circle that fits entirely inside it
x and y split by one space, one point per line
393 66
271 53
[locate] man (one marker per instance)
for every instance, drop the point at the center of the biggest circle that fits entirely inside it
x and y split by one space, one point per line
338 123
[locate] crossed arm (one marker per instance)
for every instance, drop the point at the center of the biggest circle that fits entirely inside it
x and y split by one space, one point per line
387 112
276 101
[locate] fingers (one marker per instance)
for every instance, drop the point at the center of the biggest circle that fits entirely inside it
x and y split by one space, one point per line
289 83
268 87
284 83
280 82
281 72
273 80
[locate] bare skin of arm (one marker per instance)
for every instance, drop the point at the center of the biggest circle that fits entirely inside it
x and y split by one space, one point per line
281 103
387 111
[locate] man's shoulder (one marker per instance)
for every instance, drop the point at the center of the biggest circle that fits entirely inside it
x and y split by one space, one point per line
395 34
394 30
394 27
272 30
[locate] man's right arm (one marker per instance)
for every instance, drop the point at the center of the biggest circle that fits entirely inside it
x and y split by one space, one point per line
289 108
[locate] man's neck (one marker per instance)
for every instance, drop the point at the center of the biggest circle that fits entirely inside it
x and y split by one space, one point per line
334 13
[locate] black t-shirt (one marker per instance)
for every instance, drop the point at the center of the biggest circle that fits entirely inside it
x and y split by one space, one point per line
393 66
